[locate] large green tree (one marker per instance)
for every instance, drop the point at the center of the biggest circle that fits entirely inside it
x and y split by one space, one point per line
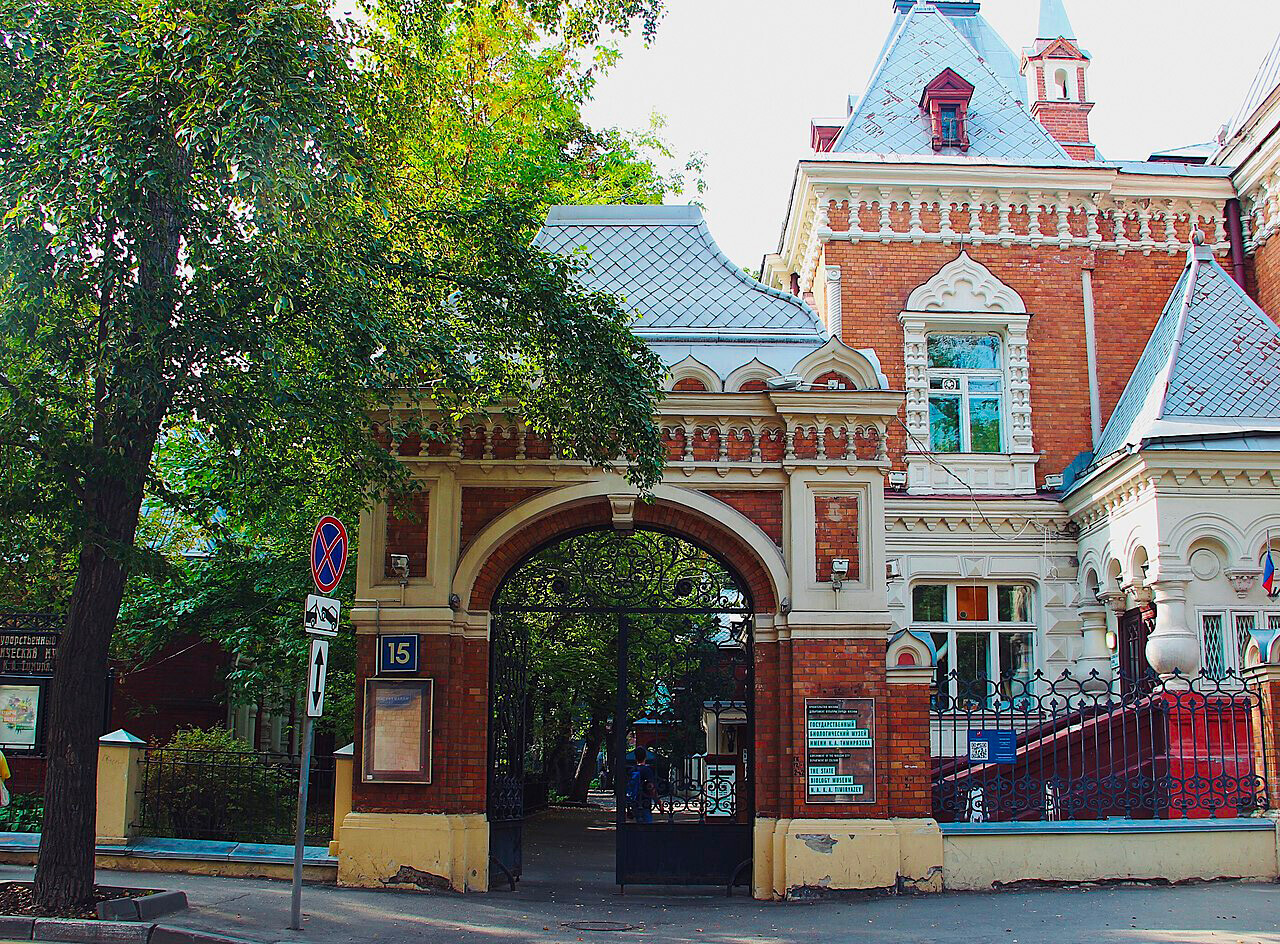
213 215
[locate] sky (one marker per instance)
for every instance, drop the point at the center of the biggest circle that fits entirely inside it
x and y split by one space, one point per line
739 81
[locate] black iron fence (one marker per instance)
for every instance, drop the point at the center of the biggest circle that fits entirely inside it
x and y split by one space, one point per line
1064 749
234 796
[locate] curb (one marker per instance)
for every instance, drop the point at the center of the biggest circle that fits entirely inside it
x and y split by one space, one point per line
86 931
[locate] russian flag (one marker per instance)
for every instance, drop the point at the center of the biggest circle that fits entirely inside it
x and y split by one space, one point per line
1269 575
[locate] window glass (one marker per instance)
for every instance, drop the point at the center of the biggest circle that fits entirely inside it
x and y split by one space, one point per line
929 603
944 423
941 680
1211 640
950 123
1245 624
1273 622
1016 666
973 656
1013 603
964 351
972 604
984 424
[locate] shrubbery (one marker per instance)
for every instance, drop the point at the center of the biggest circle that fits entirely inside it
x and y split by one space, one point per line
207 784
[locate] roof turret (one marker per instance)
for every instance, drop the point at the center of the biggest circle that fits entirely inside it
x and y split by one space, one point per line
1054 22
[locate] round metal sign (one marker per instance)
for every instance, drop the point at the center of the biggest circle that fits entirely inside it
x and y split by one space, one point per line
328 553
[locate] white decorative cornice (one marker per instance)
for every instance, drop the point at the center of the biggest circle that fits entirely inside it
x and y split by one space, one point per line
965 285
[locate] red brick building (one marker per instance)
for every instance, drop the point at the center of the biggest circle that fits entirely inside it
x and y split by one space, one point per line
994 392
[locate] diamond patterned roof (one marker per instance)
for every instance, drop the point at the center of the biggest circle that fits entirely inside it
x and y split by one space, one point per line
663 261
888 119
1225 371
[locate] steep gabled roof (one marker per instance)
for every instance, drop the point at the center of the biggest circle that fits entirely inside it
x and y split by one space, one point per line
888 119
1210 367
1264 83
663 261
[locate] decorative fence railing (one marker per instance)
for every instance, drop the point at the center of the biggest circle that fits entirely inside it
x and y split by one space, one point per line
1061 749
234 796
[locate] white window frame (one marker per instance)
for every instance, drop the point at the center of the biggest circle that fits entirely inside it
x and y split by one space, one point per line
1233 646
962 376
965 297
992 627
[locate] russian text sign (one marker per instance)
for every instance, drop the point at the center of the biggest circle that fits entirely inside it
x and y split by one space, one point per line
839 750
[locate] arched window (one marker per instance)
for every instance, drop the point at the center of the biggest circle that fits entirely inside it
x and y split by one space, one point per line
1061 84
689 385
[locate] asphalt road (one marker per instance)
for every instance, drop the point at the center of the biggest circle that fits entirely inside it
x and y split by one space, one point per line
1224 913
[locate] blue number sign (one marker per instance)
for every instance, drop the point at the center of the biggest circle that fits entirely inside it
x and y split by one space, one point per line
397 654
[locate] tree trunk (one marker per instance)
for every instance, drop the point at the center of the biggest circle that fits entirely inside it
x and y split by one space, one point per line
77 697
587 771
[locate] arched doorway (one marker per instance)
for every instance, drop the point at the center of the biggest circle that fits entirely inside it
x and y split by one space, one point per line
630 655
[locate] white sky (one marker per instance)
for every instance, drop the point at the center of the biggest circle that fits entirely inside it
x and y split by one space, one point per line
739 81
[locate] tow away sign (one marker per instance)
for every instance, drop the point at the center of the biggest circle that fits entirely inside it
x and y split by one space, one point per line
320 615
317 671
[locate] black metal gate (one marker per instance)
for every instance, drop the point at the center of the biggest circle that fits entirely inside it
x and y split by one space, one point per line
680 622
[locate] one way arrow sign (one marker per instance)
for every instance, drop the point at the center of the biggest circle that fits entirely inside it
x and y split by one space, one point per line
317 670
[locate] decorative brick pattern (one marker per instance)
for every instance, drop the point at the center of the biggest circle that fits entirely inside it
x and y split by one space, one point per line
835 533
789 672
407 520
763 506
690 385
597 514
1130 291
482 505
459 763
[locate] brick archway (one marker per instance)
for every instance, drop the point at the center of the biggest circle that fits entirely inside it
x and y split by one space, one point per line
596 512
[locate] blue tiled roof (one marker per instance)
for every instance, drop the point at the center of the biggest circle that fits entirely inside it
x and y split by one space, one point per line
1264 83
663 261
1223 375
888 119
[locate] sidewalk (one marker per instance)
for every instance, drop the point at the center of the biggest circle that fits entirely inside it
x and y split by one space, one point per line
258 910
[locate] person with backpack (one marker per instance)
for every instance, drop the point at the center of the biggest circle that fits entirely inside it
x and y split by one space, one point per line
642 788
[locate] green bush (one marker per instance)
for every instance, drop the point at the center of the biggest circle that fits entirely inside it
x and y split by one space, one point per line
24 814
206 784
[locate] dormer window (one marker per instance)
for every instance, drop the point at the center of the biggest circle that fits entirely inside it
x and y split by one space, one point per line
945 102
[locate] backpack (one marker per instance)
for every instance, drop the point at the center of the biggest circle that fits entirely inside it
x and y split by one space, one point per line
633 789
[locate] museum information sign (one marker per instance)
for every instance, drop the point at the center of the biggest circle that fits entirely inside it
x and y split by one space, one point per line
27 653
839 749
397 730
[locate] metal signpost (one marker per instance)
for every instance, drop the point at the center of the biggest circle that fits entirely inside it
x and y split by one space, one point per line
320 618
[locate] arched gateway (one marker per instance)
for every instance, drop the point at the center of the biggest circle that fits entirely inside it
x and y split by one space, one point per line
773 497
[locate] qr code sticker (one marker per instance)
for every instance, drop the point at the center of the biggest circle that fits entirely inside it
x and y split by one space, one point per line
978 750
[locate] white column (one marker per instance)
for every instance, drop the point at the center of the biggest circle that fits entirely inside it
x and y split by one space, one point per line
1173 646
1095 656
835 313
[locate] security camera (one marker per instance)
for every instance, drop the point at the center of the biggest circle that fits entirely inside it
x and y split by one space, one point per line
839 570
400 566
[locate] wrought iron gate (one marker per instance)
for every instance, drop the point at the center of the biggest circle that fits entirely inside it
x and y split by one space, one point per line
684 688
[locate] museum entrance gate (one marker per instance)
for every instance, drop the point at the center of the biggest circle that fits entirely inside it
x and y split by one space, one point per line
639 640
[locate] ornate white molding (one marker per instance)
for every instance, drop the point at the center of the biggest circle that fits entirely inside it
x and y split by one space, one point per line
1242 579
835 307
965 295
966 286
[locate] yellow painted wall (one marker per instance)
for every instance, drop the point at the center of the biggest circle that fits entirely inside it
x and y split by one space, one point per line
415 850
796 858
974 862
